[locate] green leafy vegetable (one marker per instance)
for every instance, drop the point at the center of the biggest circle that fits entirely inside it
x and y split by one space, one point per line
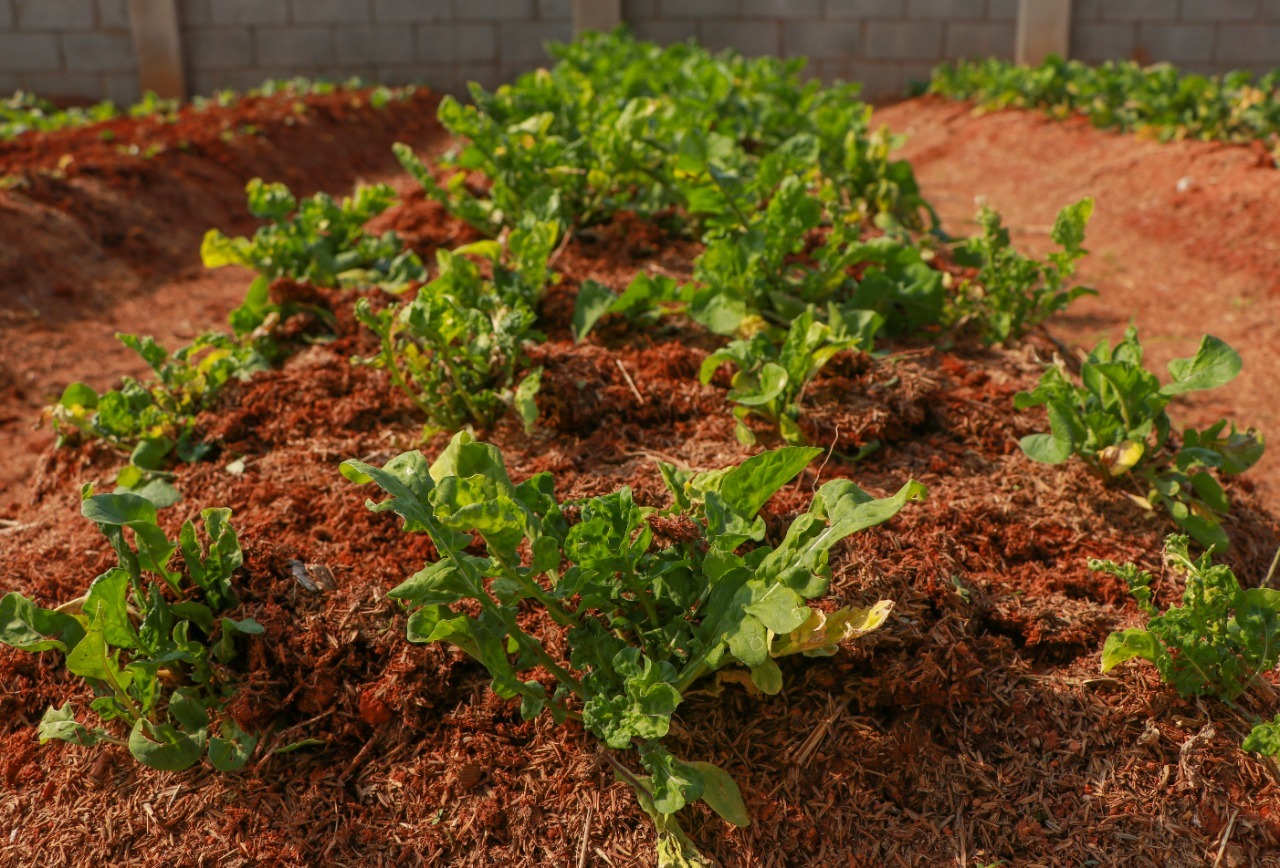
150 648
771 380
318 240
1116 422
456 349
1218 642
653 600
1012 292
1233 107
600 128
153 421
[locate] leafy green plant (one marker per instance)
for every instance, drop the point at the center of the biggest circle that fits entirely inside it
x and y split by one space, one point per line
1264 738
1218 642
153 642
1125 95
642 302
155 420
25 112
318 240
780 239
653 599
456 349
1116 422
600 128
771 379
1014 293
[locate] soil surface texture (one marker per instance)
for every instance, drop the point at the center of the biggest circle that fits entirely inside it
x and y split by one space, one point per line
974 728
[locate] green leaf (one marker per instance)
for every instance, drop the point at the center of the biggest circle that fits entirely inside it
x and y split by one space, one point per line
230 751
60 723
721 793
747 487
766 386
188 712
90 658
1210 491
439 583
1127 644
594 301
107 607
525 399
748 641
162 747
161 492
407 479
28 627
78 395
126 510
850 509
1214 364
767 677
1264 738
253 311
151 453
674 783
1045 448
780 609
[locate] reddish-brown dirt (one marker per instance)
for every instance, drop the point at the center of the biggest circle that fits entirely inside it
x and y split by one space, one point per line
96 239
972 729
1184 240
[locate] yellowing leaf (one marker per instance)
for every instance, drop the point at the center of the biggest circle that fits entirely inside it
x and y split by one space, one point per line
1122 458
823 633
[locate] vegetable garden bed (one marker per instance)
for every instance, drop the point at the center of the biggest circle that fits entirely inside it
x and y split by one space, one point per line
972 727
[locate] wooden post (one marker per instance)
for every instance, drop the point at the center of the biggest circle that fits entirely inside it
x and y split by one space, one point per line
157 44
1044 28
603 15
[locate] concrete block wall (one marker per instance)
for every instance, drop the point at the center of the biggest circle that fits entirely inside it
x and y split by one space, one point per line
885 44
1209 36
442 43
83 48
80 48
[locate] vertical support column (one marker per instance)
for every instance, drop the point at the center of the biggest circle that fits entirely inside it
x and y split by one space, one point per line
157 43
1044 28
601 15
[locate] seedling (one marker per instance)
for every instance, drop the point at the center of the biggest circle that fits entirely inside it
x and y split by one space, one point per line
771 380
155 420
151 641
1116 422
1219 642
1013 293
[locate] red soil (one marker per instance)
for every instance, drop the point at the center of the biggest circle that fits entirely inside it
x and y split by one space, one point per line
971 728
1184 241
94 241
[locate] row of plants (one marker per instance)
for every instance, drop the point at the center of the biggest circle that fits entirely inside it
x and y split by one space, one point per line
1223 637
24 112
813 244
812 237
643 629
1157 99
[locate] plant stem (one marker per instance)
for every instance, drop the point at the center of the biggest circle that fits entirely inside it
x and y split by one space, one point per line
644 597
1271 572
562 675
